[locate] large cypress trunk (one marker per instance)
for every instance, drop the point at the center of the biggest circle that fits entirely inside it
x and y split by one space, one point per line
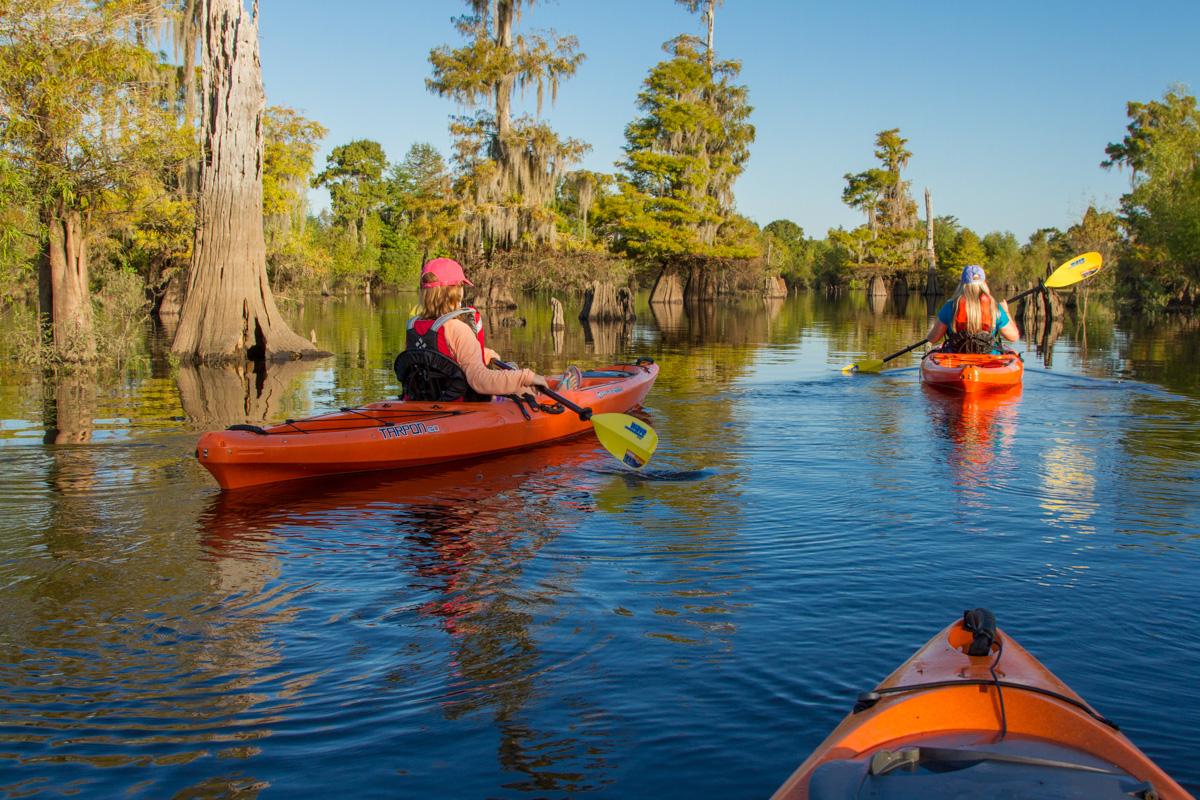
229 313
66 307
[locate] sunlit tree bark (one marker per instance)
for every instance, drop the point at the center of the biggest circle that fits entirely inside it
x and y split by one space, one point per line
229 313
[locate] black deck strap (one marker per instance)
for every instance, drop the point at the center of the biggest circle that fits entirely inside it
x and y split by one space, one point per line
637 362
557 408
884 761
249 428
521 406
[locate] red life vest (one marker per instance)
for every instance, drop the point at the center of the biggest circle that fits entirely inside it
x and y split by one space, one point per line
427 369
429 334
986 318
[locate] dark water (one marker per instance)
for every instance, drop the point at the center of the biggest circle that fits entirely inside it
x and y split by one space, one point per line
546 625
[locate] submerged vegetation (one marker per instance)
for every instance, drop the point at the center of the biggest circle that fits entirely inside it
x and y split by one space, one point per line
100 189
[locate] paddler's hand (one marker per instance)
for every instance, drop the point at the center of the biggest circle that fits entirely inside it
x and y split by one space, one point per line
539 380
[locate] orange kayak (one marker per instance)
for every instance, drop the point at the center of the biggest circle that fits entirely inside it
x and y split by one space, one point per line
399 434
966 372
946 724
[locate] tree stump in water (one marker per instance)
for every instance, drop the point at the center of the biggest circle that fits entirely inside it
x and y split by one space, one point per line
602 302
557 320
900 286
775 286
877 287
932 289
701 286
668 288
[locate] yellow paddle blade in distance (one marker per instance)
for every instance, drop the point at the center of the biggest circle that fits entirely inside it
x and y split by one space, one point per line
627 438
1075 270
866 365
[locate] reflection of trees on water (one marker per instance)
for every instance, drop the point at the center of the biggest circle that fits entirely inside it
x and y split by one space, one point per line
251 393
606 338
117 617
69 407
468 531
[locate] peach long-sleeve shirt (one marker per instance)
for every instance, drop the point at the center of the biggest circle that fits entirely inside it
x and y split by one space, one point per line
464 345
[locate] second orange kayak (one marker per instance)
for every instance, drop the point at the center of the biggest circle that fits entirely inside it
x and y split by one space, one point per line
964 372
398 434
995 725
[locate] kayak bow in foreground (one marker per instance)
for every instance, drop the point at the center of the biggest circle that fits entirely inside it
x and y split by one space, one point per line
995 725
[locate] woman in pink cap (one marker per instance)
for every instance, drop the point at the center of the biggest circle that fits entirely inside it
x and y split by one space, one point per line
972 320
445 326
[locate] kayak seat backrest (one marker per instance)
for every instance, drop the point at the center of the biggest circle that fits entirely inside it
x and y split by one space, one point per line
979 780
973 343
432 377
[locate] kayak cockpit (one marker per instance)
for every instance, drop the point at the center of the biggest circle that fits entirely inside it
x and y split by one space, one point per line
961 766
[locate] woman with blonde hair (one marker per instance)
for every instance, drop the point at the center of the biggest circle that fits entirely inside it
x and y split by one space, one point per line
972 320
445 357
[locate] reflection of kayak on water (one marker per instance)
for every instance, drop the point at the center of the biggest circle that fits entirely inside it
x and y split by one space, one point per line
977 424
400 434
969 373
948 723
466 484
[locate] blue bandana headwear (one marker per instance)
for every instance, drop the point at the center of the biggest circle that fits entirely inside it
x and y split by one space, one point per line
972 273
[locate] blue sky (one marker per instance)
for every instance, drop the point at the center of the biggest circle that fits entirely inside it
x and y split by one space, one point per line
1007 106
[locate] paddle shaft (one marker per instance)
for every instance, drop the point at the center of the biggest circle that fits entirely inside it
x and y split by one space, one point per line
585 414
910 348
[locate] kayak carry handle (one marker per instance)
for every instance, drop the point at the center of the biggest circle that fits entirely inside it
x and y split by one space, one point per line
982 624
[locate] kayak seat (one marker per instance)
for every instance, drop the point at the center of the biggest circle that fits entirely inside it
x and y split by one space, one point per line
979 779
432 377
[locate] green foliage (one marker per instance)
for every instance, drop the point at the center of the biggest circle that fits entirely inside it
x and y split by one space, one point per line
890 237
945 234
1003 261
509 170
1161 212
357 190
681 161
19 234
788 253
422 216
289 144
85 111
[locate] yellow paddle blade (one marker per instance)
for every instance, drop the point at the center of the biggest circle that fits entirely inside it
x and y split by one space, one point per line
1075 270
867 365
626 437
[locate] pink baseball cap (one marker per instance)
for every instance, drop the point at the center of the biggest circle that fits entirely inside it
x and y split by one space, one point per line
447 271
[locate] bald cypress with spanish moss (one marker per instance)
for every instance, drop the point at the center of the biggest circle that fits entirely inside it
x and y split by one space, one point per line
509 168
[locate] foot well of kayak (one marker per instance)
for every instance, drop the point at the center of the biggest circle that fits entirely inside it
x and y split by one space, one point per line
973 714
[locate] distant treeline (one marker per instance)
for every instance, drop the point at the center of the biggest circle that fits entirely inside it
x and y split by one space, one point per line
98 131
